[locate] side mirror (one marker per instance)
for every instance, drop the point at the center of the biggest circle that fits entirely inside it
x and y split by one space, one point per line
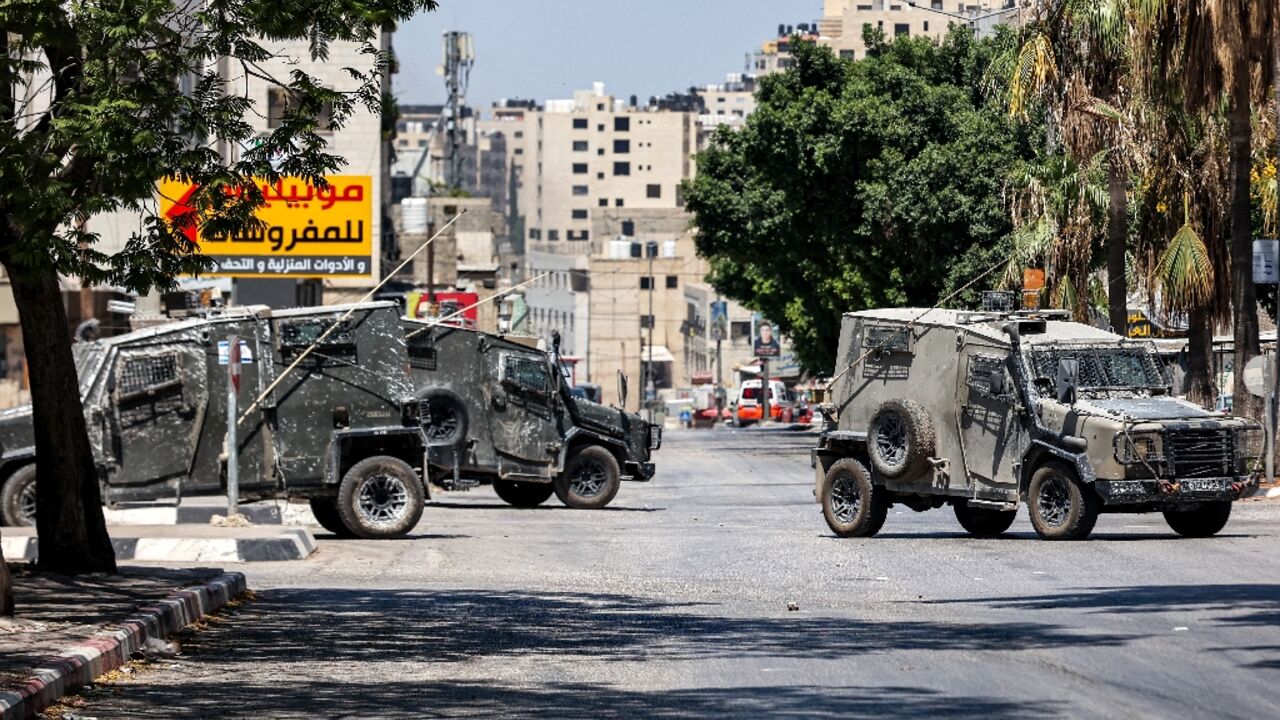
622 389
996 383
1068 378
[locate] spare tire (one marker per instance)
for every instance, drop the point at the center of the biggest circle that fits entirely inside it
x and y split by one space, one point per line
444 418
900 440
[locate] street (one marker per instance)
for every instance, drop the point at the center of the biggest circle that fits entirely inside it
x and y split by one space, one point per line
674 602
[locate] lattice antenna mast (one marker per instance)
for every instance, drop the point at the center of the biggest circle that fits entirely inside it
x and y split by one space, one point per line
459 58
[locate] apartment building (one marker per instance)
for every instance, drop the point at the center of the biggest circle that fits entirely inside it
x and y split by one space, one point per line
774 56
586 156
843 21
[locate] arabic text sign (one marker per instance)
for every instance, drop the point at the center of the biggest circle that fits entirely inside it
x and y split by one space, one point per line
308 231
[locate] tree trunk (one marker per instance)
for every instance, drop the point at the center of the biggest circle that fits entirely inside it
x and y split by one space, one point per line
69 521
1244 301
1117 235
1197 384
6 588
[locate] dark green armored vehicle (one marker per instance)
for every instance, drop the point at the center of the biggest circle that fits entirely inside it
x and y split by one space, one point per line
340 430
497 410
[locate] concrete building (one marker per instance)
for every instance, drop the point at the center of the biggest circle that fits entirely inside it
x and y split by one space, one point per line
843 21
586 156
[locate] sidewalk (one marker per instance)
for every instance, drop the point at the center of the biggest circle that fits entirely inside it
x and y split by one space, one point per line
68 631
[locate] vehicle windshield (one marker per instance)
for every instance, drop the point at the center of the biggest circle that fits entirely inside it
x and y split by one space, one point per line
1102 368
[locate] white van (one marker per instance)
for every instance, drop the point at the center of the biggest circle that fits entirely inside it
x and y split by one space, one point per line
751 408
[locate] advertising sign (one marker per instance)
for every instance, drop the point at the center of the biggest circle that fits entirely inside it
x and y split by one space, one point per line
309 232
720 320
447 303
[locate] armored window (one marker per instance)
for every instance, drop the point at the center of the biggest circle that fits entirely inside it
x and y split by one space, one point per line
526 373
981 368
140 374
337 348
880 339
422 350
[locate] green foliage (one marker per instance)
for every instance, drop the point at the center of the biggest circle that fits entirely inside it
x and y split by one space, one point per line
879 182
112 97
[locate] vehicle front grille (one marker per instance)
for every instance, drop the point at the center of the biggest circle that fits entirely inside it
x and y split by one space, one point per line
1199 453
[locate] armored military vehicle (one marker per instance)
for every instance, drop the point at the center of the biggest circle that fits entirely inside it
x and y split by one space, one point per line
984 410
341 429
497 410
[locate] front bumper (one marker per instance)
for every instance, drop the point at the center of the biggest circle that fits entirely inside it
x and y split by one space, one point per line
1171 492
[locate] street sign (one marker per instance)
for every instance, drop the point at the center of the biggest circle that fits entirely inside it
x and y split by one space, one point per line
1266 262
233 358
307 231
1255 376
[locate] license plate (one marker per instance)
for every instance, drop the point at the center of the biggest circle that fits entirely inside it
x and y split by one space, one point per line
1204 485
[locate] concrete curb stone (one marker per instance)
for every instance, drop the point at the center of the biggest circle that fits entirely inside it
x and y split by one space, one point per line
80 665
291 543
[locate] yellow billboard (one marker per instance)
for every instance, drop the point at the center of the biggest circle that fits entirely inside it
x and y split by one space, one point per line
307 231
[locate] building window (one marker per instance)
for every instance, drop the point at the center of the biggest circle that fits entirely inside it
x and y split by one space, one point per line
579 168
519 151
579 214
673 281
579 123
646 322
653 191
621 147
603 202
535 234
278 105
600 127
646 282
739 330
926 26
901 30
628 228
600 151
622 168
600 176
553 234
580 190
618 203
579 145
519 134
621 124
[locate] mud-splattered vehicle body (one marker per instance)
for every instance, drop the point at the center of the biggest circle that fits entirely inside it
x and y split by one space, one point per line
497 410
984 410
340 429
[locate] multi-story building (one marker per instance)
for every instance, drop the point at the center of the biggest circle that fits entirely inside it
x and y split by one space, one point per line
843 20
774 55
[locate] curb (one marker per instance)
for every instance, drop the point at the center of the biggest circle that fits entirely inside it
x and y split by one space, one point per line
291 544
187 514
105 652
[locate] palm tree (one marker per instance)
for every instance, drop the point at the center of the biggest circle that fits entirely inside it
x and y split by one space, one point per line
1216 52
1077 60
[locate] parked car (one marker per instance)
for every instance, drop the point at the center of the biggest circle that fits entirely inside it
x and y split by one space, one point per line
497 410
341 430
986 410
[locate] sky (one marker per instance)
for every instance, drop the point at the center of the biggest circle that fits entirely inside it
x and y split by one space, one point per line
541 49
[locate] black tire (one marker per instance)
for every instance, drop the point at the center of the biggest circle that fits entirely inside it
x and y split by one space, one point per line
590 479
523 494
380 497
444 418
1061 507
18 498
900 440
325 511
982 522
851 504
1205 521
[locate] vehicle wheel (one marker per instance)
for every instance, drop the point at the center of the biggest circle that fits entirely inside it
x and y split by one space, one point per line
1061 507
523 494
590 479
900 439
325 511
444 418
981 522
1205 521
18 498
852 505
380 497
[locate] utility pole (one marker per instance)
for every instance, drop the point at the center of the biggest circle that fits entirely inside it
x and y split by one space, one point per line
233 443
651 248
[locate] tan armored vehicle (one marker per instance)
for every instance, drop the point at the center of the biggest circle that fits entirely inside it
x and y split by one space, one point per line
984 410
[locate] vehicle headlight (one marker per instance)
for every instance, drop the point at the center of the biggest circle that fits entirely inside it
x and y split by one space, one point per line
1140 447
1249 443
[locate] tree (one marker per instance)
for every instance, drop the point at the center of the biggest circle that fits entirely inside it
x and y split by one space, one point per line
107 99
860 184
1221 52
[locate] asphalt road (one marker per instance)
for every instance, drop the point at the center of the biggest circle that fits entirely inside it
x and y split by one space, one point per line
674 602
